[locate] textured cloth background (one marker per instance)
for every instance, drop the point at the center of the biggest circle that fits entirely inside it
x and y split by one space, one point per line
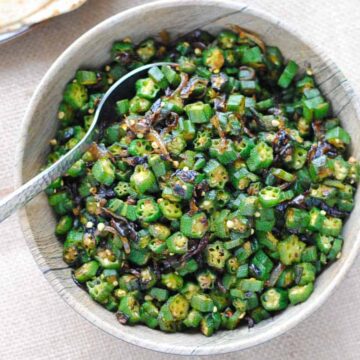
34 322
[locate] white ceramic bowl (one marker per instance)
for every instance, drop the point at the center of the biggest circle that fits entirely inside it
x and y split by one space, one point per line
92 49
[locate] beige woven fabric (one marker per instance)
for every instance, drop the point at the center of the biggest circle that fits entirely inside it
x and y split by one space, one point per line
34 322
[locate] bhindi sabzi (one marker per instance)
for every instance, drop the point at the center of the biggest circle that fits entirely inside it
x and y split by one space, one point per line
218 193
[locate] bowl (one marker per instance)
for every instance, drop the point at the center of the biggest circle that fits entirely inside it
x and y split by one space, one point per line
92 49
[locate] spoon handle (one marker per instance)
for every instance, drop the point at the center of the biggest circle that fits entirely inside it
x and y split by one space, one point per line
38 183
23 194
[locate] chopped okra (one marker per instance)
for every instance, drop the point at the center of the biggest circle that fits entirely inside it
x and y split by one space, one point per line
218 192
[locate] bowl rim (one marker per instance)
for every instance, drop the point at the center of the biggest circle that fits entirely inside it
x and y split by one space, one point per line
256 339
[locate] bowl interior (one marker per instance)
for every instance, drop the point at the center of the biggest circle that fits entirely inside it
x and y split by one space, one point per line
92 50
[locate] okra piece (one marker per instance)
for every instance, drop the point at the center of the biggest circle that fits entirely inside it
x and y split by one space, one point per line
300 293
309 254
331 226
61 202
149 314
288 74
216 173
236 103
146 88
252 57
296 219
210 323
177 243
261 157
104 171
143 180
251 284
223 151
172 281
189 290
194 226
159 294
270 196
261 265
264 219
76 95
64 225
178 307
230 319
259 314
338 137
304 273
290 250
139 256
99 290
139 105
146 50
169 210
335 250
216 255
87 271
139 147
202 303
187 267
198 112
158 77
130 308
193 319
148 210
227 39
274 299
159 231
213 58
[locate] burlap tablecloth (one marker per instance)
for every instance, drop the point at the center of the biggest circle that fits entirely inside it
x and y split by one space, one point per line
34 322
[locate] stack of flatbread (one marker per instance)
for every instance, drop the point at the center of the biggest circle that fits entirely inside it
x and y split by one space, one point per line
20 14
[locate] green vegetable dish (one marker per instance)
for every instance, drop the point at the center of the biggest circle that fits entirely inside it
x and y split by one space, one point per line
217 195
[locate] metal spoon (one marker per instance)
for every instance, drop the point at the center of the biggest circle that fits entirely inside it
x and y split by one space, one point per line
121 89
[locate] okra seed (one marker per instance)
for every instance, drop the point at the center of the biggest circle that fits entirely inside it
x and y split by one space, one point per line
101 227
230 224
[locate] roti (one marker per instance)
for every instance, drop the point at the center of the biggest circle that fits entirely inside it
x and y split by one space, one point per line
12 11
15 14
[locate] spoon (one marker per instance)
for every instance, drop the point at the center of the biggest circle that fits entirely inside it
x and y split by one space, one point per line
121 89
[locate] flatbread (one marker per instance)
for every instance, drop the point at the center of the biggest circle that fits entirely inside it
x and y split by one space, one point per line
12 11
14 14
